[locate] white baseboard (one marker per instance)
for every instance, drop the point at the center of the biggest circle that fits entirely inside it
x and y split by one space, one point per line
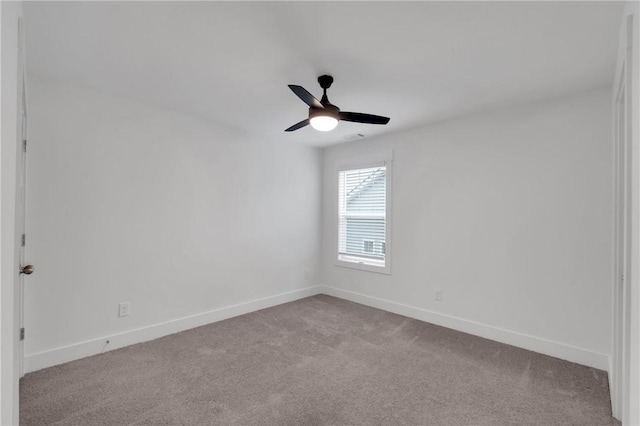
532 343
60 355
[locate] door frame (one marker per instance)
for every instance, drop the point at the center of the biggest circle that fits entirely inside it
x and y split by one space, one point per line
11 72
622 249
624 365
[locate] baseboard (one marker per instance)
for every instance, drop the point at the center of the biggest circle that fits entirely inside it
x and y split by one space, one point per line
536 344
60 355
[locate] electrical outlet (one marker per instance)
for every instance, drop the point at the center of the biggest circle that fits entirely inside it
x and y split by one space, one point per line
124 309
439 295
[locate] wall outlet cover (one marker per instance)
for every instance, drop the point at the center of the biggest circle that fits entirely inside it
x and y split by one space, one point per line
124 309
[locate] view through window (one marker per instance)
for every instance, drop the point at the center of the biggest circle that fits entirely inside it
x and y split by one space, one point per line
362 198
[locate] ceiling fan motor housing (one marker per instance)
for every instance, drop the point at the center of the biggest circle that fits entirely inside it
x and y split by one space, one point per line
329 110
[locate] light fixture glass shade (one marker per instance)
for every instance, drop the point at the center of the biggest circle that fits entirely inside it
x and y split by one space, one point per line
323 123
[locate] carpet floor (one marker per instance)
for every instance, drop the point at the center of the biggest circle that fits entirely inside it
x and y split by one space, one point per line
317 361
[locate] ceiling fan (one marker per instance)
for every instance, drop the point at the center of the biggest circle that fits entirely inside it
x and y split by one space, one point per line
323 115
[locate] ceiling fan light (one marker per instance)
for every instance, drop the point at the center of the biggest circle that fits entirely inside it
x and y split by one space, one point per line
324 123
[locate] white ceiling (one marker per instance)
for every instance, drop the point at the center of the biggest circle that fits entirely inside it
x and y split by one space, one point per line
416 62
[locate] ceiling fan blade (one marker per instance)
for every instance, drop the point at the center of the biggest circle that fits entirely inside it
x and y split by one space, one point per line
306 97
358 117
298 125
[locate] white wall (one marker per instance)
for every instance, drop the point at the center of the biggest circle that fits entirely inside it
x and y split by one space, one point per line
10 13
179 216
510 214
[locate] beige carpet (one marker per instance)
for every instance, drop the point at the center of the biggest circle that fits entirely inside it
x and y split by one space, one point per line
317 361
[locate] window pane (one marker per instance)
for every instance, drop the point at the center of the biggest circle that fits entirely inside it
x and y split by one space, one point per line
359 230
364 189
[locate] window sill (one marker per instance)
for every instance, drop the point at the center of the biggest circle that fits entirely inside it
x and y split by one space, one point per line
355 263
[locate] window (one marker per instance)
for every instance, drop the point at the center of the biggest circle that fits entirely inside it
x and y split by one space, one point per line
362 218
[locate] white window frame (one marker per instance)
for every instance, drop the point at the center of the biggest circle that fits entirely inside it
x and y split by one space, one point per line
364 162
